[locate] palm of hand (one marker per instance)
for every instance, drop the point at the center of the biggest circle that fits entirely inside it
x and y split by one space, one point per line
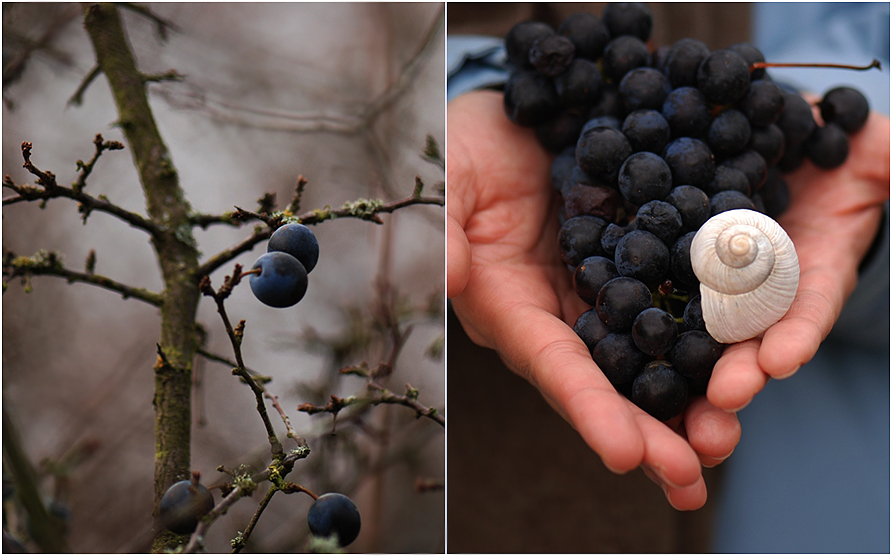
513 294
832 219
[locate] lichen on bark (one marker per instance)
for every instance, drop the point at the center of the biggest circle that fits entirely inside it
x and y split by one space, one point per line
174 246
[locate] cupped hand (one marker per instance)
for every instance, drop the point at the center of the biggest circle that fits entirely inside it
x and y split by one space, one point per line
513 294
833 218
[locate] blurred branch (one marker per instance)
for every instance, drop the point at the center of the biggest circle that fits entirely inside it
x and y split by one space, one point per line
50 264
229 363
261 381
14 65
410 71
46 529
388 315
432 153
340 123
429 485
239 542
78 97
161 24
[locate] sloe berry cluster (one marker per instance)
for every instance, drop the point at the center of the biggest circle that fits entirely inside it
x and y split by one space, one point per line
279 277
648 145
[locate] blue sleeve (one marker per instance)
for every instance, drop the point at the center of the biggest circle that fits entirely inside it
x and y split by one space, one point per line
811 471
832 32
474 62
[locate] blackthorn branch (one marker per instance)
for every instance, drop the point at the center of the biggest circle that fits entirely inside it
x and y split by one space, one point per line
50 189
170 222
364 209
50 264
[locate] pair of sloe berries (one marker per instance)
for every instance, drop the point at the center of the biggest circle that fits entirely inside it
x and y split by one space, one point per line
291 254
184 503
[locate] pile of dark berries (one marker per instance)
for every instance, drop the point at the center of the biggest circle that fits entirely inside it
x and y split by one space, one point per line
649 144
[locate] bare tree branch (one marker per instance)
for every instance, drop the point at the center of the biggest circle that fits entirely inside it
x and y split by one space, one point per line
364 209
50 189
50 264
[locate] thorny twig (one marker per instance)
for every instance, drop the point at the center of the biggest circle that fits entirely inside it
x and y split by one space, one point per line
50 264
235 337
244 485
364 209
50 189
378 394
376 391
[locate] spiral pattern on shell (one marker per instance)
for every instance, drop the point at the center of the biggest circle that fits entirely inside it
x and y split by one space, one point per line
748 272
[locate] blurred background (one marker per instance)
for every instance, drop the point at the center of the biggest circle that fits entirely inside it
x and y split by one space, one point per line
342 94
811 472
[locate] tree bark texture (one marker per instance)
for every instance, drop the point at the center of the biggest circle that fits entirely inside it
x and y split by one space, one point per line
174 246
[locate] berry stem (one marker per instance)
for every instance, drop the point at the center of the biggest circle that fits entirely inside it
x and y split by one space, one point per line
759 65
291 488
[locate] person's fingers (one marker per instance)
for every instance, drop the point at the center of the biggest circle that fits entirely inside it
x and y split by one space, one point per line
544 350
712 432
686 498
736 377
828 261
795 339
870 152
458 251
667 454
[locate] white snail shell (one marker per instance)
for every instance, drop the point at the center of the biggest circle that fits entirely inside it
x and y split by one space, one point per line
748 272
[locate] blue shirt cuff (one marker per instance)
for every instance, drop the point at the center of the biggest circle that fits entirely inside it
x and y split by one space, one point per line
474 62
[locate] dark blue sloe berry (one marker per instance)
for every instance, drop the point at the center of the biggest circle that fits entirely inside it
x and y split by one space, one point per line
619 358
590 275
684 60
298 241
588 33
551 55
629 18
520 39
828 146
183 505
620 300
530 98
695 353
751 55
643 256
723 77
644 177
282 281
654 331
690 161
660 390
590 328
623 54
845 107
334 514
